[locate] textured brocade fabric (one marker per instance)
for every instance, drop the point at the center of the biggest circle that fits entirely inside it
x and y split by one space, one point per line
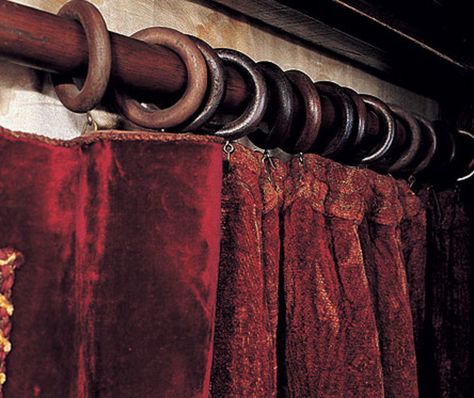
121 232
383 258
413 240
331 335
244 362
449 300
345 211
272 188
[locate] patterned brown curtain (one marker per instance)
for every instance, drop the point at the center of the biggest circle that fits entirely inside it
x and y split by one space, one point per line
331 339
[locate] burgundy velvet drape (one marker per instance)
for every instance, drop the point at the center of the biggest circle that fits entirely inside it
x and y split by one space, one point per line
156 266
448 361
120 234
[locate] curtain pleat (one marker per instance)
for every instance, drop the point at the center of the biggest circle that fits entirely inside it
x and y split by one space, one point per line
383 258
331 336
449 306
413 239
345 211
314 338
244 347
272 186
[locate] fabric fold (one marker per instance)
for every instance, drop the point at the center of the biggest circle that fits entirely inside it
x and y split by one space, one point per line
244 347
385 269
413 243
272 187
345 211
448 301
331 335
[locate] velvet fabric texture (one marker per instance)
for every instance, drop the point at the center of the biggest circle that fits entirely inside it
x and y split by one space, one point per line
120 233
449 315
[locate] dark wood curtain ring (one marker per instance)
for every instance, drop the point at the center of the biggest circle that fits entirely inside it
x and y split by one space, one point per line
307 123
196 85
388 120
361 121
337 140
444 154
248 121
100 59
465 155
280 110
428 144
405 160
216 89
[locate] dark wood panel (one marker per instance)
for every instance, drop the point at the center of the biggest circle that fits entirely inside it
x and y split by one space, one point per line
423 45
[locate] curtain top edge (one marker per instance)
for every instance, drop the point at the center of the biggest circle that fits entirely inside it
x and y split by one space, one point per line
114 135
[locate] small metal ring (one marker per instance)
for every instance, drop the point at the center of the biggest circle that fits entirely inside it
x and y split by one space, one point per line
216 89
405 161
196 85
305 129
89 123
380 108
339 140
429 142
248 121
100 59
281 108
228 148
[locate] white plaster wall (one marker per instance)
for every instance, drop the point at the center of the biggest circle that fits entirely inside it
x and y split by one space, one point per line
28 103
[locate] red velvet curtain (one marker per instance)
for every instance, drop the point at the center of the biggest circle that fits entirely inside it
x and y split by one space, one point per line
156 266
120 234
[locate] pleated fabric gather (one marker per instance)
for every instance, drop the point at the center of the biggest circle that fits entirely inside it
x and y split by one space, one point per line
157 265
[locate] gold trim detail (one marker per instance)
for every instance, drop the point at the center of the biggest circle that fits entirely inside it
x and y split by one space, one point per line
9 261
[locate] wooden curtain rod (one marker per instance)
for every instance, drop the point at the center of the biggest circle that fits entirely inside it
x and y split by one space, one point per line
55 44
51 43
48 42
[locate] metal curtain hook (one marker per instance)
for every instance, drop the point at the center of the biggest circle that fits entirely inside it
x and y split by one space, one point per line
268 158
269 165
228 149
302 161
89 125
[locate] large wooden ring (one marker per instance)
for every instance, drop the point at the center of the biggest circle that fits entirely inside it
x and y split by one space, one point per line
405 160
361 121
341 138
100 59
280 110
216 89
428 147
249 120
388 120
307 123
195 90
